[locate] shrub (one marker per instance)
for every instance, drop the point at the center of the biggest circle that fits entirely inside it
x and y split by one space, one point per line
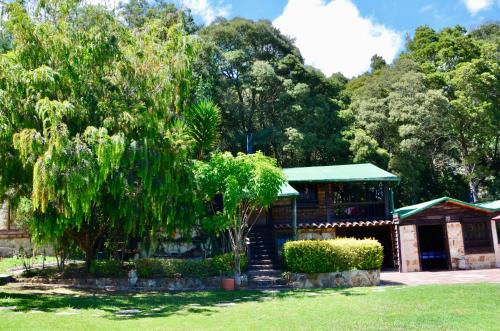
148 268
175 268
314 256
225 263
106 268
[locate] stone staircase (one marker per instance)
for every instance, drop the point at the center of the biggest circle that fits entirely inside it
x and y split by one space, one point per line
263 272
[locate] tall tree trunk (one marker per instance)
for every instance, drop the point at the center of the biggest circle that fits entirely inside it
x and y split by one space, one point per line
473 188
237 259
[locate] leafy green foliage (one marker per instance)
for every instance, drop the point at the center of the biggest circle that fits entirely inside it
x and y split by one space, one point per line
247 184
107 268
315 256
203 125
258 78
432 116
137 13
91 117
176 268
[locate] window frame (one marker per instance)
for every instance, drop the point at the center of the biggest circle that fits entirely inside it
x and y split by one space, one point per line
468 249
301 202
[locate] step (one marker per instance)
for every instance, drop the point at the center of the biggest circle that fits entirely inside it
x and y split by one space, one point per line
261 242
263 281
260 256
259 245
268 287
269 266
252 254
259 249
259 261
264 273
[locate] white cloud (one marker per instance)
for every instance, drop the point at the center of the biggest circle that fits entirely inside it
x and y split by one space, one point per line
475 6
333 36
207 10
427 8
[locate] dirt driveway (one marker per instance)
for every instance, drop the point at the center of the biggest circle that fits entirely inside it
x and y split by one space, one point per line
441 277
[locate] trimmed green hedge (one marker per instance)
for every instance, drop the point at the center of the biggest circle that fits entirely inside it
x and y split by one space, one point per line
314 256
177 268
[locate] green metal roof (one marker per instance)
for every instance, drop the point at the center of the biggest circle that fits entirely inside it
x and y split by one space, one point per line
339 173
288 191
495 205
408 211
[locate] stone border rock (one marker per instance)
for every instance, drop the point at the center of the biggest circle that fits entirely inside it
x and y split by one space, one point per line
335 279
135 283
123 284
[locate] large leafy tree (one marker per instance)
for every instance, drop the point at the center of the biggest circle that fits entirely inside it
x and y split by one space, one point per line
91 117
138 13
465 67
247 184
258 78
432 116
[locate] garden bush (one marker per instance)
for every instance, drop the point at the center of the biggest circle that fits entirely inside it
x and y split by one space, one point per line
314 256
176 268
107 268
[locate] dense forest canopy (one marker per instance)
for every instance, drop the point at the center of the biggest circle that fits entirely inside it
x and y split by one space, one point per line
432 116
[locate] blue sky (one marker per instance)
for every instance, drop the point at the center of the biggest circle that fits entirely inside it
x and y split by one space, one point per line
436 14
404 16
342 35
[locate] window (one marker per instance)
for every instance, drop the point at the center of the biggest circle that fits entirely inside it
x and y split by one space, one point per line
477 237
308 195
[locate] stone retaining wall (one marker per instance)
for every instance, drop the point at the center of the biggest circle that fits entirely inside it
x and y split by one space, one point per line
125 284
336 279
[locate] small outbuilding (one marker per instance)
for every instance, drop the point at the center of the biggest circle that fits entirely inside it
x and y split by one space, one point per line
447 234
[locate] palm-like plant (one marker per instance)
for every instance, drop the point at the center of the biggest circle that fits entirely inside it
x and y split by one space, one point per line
203 125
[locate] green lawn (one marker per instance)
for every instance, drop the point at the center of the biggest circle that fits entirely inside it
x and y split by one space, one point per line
443 307
8 263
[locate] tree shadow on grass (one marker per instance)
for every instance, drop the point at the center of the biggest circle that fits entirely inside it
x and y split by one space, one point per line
151 304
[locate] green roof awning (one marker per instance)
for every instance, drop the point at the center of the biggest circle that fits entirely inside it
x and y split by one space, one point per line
408 211
287 191
365 172
495 205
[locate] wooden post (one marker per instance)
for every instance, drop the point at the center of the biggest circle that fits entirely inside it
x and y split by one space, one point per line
387 207
328 202
294 218
391 192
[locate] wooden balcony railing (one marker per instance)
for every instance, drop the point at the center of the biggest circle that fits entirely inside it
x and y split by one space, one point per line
337 212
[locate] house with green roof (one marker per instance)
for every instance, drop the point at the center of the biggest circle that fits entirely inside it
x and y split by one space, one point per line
327 201
448 234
